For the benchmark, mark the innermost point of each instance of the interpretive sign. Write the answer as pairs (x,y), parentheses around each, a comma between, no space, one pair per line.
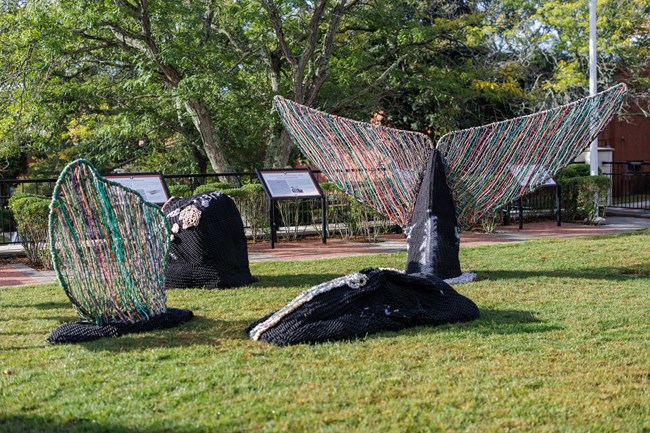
(288,184)
(151,186)
(291,184)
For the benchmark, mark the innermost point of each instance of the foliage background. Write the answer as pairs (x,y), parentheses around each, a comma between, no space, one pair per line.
(186,86)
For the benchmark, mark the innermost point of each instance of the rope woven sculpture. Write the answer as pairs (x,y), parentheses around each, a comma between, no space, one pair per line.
(482,168)
(379,166)
(489,166)
(110,250)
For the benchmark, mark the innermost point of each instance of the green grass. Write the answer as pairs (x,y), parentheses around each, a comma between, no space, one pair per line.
(563,344)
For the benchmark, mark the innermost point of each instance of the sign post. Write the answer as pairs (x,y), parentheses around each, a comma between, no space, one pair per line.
(291,184)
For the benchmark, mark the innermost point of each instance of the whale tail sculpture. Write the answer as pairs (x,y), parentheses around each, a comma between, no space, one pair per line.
(470,173)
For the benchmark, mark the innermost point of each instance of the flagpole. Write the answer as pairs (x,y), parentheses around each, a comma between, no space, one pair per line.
(593,81)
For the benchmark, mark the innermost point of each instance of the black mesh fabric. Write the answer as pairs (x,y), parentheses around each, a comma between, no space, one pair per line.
(433,237)
(83,331)
(212,254)
(389,300)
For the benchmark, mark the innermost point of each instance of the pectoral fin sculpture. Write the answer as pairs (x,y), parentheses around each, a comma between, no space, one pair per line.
(110,251)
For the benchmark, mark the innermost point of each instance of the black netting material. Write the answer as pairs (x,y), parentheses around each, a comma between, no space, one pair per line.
(433,237)
(212,254)
(83,331)
(389,300)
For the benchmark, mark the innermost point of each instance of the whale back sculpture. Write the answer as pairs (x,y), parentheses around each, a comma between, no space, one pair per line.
(109,247)
(208,247)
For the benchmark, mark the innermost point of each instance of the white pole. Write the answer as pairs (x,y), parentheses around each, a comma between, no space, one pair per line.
(593,81)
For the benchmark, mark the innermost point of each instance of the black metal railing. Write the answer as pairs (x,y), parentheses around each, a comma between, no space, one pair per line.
(194,180)
(294,218)
(630,184)
(542,204)
(630,188)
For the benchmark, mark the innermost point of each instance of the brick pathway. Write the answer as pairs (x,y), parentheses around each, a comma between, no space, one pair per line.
(16,275)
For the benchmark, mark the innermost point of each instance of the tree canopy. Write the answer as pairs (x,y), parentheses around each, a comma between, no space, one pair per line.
(187,85)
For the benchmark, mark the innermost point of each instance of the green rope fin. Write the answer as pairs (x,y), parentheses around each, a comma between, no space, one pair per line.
(109,247)
(379,166)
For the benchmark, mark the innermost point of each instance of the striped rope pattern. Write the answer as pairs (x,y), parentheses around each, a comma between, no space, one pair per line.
(491,165)
(109,247)
(379,166)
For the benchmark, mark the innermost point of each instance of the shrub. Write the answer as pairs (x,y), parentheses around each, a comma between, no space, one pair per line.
(255,208)
(490,221)
(352,218)
(583,197)
(31,213)
(573,170)
(180,190)
(211,187)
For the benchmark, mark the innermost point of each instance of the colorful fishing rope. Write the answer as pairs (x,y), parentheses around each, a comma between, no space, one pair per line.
(109,247)
(486,166)
(376,165)
(491,165)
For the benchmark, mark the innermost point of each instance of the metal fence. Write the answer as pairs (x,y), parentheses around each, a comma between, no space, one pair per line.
(294,217)
(630,189)
(542,204)
(630,184)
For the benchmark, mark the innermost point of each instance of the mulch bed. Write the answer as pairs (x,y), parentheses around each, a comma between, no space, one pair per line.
(20,260)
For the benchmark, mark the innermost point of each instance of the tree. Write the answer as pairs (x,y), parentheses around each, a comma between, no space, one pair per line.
(152,68)
(549,39)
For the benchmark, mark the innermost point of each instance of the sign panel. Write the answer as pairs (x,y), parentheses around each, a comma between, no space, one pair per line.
(532,174)
(151,186)
(294,183)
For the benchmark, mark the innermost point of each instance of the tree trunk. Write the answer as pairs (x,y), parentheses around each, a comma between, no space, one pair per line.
(213,148)
(280,145)
(200,159)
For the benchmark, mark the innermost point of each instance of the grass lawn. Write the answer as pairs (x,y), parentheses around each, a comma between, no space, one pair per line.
(563,344)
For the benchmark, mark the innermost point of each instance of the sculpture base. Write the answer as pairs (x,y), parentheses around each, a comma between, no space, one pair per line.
(465,277)
(83,331)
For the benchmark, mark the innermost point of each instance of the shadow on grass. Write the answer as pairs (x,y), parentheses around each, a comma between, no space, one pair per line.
(268,281)
(198,331)
(52,305)
(605,273)
(34,423)
(42,305)
(505,322)
(491,322)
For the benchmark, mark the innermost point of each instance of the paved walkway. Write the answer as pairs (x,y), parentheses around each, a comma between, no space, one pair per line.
(16,274)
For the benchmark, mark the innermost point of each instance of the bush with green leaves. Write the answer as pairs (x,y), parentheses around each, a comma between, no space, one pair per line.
(212,187)
(574,170)
(351,217)
(31,213)
(180,190)
(583,196)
